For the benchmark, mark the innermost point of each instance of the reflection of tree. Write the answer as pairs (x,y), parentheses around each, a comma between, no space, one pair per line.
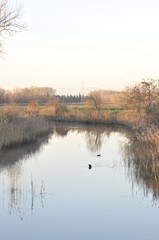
(62,131)
(94,139)
(142,161)
(94,133)
(95,136)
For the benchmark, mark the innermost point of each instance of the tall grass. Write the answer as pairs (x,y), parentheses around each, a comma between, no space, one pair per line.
(21,130)
(142,159)
(91,116)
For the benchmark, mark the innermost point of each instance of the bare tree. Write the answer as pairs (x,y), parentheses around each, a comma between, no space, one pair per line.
(94,100)
(143,95)
(143,99)
(133,98)
(150,92)
(9,20)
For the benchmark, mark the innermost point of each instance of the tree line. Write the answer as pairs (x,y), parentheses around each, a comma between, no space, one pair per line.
(43,95)
(23,96)
(79,98)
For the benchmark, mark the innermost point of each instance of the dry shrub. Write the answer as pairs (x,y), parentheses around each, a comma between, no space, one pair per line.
(47,111)
(88,116)
(33,107)
(11,111)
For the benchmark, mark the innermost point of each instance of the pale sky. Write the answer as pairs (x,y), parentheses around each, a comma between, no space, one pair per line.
(83,44)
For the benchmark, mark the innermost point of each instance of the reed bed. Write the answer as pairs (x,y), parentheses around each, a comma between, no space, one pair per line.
(142,158)
(19,125)
(21,130)
(90,116)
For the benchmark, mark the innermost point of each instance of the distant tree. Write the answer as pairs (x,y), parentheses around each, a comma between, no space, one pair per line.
(56,107)
(110,97)
(73,99)
(94,100)
(39,94)
(133,98)
(9,16)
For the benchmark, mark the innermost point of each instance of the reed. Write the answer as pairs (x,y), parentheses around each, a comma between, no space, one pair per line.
(89,116)
(21,130)
(142,159)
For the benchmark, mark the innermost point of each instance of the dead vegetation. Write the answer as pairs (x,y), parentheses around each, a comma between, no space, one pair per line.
(22,130)
(142,160)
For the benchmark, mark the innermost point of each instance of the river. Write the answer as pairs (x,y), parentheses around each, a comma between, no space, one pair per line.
(58,188)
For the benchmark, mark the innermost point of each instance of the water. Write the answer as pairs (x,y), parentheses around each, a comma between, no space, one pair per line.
(47,190)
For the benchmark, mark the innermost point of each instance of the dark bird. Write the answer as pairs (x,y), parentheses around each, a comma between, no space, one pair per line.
(99,155)
(89,166)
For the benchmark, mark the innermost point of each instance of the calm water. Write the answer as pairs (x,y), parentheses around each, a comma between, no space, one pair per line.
(47,190)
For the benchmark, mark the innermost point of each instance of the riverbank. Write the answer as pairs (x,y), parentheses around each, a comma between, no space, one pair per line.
(20,124)
(20,130)
(106,123)
(89,116)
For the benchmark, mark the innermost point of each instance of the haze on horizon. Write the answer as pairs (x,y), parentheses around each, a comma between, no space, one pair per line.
(87,44)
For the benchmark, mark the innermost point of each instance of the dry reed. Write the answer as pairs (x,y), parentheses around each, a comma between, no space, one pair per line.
(142,159)
(21,130)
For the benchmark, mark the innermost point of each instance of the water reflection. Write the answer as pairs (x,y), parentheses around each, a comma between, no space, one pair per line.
(141,155)
(18,195)
(61,130)
(12,155)
(94,135)
(140,158)
(94,139)
(13,186)
(142,163)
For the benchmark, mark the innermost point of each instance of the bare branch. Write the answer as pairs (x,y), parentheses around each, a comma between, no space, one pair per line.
(9,20)
(94,100)
(143,99)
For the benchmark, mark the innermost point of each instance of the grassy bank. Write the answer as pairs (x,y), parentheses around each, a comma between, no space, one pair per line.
(89,116)
(19,124)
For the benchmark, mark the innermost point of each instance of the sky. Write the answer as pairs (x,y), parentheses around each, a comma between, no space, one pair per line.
(80,45)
